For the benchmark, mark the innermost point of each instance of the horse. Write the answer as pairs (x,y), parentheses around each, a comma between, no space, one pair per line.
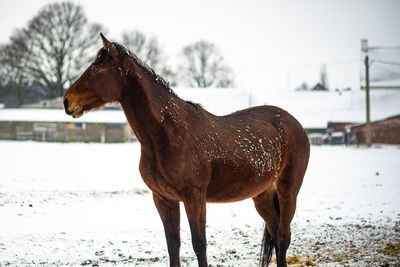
(192,156)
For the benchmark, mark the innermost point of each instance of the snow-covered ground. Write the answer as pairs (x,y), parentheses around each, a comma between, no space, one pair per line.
(85,204)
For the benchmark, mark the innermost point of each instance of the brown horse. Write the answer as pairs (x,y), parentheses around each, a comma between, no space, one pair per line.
(189,155)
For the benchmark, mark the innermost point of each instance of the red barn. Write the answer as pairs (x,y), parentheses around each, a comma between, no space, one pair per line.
(386,131)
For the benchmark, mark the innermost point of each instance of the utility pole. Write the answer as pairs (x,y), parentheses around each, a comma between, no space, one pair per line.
(364,48)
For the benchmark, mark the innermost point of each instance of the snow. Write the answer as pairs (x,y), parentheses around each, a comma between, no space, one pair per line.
(351,183)
(82,204)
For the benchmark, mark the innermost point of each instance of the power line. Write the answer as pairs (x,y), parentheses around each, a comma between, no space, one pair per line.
(383,47)
(386,62)
(313,65)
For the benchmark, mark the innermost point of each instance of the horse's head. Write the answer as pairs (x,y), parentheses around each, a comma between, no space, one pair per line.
(100,83)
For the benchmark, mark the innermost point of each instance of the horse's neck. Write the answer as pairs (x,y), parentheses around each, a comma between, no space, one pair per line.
(144,105)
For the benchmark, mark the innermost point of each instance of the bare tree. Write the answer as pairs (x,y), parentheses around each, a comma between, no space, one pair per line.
(203,66)
(59,39)
(13,60)
(148,49)
(302,87)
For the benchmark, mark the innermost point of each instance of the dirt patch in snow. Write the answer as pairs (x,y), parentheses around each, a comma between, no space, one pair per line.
(327,245)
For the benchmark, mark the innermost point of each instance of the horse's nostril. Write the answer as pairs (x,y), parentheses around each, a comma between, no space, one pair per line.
(66,107)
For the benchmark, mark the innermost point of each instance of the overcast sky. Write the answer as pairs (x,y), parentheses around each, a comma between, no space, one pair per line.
(271,45)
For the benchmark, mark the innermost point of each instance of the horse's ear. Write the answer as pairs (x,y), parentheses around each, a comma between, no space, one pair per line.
(109,47)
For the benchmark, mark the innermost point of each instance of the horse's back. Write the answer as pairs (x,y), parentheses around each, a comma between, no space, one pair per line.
(267,117)
(264,116)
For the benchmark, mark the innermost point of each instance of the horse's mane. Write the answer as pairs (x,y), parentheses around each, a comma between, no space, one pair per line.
(157,78)
(122,51)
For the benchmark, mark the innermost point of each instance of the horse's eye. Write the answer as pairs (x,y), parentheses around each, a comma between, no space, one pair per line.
(95,69)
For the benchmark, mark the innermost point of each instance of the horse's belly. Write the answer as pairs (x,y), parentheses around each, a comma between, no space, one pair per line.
(234,184)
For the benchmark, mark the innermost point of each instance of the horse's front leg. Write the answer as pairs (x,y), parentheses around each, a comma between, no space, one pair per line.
(195,207)
(170,216)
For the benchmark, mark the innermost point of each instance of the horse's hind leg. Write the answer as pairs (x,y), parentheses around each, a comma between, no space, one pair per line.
(267,206)
(287,188)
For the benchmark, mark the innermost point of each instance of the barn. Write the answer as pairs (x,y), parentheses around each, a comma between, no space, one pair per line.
(106,126)
(386,131)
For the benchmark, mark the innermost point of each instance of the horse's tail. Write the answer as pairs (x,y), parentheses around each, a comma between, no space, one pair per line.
(267,244)
(267,247)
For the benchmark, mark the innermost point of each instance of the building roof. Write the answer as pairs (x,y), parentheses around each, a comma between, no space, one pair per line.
(319,87)
(313,109)
(217,101)
(392,118)
(58,115)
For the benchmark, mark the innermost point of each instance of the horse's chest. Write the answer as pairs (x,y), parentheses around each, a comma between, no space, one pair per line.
(156,181)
